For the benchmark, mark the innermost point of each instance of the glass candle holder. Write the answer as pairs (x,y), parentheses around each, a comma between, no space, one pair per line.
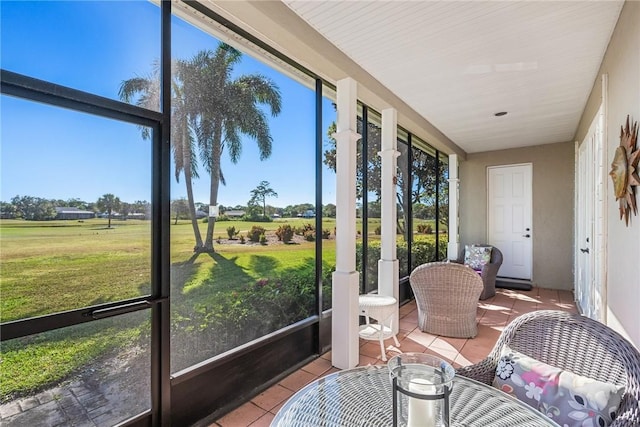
(421,389)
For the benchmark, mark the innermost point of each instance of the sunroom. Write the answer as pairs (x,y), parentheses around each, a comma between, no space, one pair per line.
(332,147)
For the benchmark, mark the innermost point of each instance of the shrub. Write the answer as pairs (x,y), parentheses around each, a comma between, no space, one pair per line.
(256,218)
(378,231)
(242,241)
(300,231)
(425,228)
(232,232)
(263,239)
(255,233)
(326,233)
(421,252)
(222,217)
(310,235)
(285,233)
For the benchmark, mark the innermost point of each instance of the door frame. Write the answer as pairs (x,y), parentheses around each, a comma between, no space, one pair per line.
(489,238)
(596,140)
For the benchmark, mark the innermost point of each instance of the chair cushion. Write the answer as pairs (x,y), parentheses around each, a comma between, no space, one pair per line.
(477,256)
(570,400)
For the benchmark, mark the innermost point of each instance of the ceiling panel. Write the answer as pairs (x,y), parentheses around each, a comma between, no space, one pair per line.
(458,63)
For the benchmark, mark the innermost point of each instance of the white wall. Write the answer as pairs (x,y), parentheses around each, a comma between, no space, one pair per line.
(622,65)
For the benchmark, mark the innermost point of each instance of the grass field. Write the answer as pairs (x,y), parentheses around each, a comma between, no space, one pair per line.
(54,266)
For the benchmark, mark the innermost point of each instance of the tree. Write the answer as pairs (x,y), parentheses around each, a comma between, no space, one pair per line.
(329,210)
(108,203)
(374,162)
(146,91)
(34,208)
(423,180)
(420,211)
(260,194)
(226,108)
(125,210)
(8,210)
(180,208)
(143,207)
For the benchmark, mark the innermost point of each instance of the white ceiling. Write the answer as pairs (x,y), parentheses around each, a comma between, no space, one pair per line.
(457,63)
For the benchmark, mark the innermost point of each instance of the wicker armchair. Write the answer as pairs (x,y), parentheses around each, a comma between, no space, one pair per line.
(447,298)
(489,271)
(573,343)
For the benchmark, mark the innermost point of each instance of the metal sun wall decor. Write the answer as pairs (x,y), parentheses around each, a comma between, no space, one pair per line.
(624,171)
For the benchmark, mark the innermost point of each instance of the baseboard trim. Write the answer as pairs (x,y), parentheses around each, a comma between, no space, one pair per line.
(517,284)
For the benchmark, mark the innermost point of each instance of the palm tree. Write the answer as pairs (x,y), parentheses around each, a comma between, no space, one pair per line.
(227,108)
(182,121)
(108,203)
(260,194)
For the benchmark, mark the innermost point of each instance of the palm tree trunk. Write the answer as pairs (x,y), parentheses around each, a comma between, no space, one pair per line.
(189,185)
(216,153)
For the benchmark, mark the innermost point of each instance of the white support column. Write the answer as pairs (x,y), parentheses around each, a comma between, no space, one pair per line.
(388,264)
(345,351)
(453,248)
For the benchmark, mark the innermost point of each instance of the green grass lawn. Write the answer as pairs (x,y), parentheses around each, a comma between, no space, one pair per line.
(54,266)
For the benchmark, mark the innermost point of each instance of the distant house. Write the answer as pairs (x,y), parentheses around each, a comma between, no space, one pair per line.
(201,214)
(136,215)
(310,213)
(234,213)
(73,213)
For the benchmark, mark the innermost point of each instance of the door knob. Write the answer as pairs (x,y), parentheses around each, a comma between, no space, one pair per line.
(526,235)
(585,250)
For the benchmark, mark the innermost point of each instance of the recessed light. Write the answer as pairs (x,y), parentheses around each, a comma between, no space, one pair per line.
(501,113)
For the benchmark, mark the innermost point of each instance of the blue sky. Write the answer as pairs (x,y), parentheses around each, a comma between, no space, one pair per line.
(93,46)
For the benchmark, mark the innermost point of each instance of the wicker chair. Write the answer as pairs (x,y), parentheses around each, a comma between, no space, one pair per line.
(489,271)
(447,298)
(573,343)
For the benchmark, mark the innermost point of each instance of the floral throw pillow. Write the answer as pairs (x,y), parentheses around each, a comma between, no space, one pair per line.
(477,256)
(570,400)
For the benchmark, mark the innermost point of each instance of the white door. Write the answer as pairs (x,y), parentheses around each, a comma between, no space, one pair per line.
(590,223)
(509,218)
(584,229)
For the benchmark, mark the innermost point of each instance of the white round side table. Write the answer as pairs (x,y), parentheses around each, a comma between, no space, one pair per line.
(381,308)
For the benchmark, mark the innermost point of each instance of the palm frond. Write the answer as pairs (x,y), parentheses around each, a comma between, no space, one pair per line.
(263,90)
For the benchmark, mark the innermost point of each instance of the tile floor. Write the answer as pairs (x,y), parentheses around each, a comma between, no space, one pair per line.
(493,315)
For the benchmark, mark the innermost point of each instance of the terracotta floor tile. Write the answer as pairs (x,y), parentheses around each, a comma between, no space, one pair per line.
(263,421)
(366,360)
(549,295)
(408,325)
(473,352)
(268,399)
(243,416)
(330,371)
(372,348)
(297,380)
(276,409)
(407,308)
(566,296)
(318,366)
(420,337)
(410,346)
(443,349)
(494,314)
(456,343)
